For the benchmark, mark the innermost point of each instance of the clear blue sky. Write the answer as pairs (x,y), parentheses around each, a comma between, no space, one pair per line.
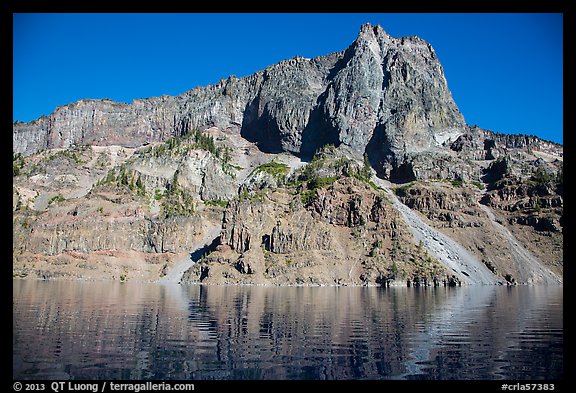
(504,70)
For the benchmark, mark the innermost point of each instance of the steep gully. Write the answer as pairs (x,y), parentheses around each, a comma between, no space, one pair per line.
(525,261)
(174,275)
(464,265)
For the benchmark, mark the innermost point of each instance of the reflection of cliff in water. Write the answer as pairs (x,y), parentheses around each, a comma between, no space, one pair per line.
(491,334)
(349,333)
(312,333)
(142,331)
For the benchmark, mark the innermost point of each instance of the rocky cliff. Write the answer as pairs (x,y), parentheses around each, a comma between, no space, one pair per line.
(285,162)
(341,232)
(382,95)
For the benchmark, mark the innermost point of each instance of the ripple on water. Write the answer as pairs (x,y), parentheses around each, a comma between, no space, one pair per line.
(112,331)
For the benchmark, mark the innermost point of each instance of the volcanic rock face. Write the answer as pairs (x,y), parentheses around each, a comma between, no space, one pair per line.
(284,162)
(383,96)
(348,233)
(481,221)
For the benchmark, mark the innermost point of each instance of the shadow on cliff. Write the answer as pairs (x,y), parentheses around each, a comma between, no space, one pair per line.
(197,254)
(380,156)
(318,132)
(258,126)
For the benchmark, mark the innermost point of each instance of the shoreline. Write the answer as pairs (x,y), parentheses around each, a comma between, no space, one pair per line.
(395,284)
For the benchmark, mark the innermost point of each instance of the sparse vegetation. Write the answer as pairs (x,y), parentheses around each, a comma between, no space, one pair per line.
(71,154)
(278,170)
(103,160)
(313,184)
(17,164)
(56,199)
(366,171)
(177,203)
(206,142)
(244,194)
(541,177)
(376,246)
(229,169)
(180,145)
(137,186)
(321,182)
(478,184)
(324,161)
(158,194)
(538,205)
(307,196)
(158,151)
(460,183)
(313,175)
(403,189)
(394,268)
(122,177)
(216,202)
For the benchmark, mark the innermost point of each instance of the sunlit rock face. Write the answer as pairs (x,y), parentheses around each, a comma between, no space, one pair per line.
(382,96)
(102,187)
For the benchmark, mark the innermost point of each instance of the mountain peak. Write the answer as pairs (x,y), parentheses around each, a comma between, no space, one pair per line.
(373,30)
(373,35)
(384,97)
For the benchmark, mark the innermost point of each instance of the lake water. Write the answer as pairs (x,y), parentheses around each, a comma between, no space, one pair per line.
(82,330)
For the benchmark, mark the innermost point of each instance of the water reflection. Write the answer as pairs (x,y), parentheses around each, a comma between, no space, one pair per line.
(145,331)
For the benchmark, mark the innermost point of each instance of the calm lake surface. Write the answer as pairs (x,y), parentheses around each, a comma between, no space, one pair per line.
(83,330)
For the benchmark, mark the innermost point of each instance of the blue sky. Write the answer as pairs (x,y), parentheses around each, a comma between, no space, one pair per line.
(504,70)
